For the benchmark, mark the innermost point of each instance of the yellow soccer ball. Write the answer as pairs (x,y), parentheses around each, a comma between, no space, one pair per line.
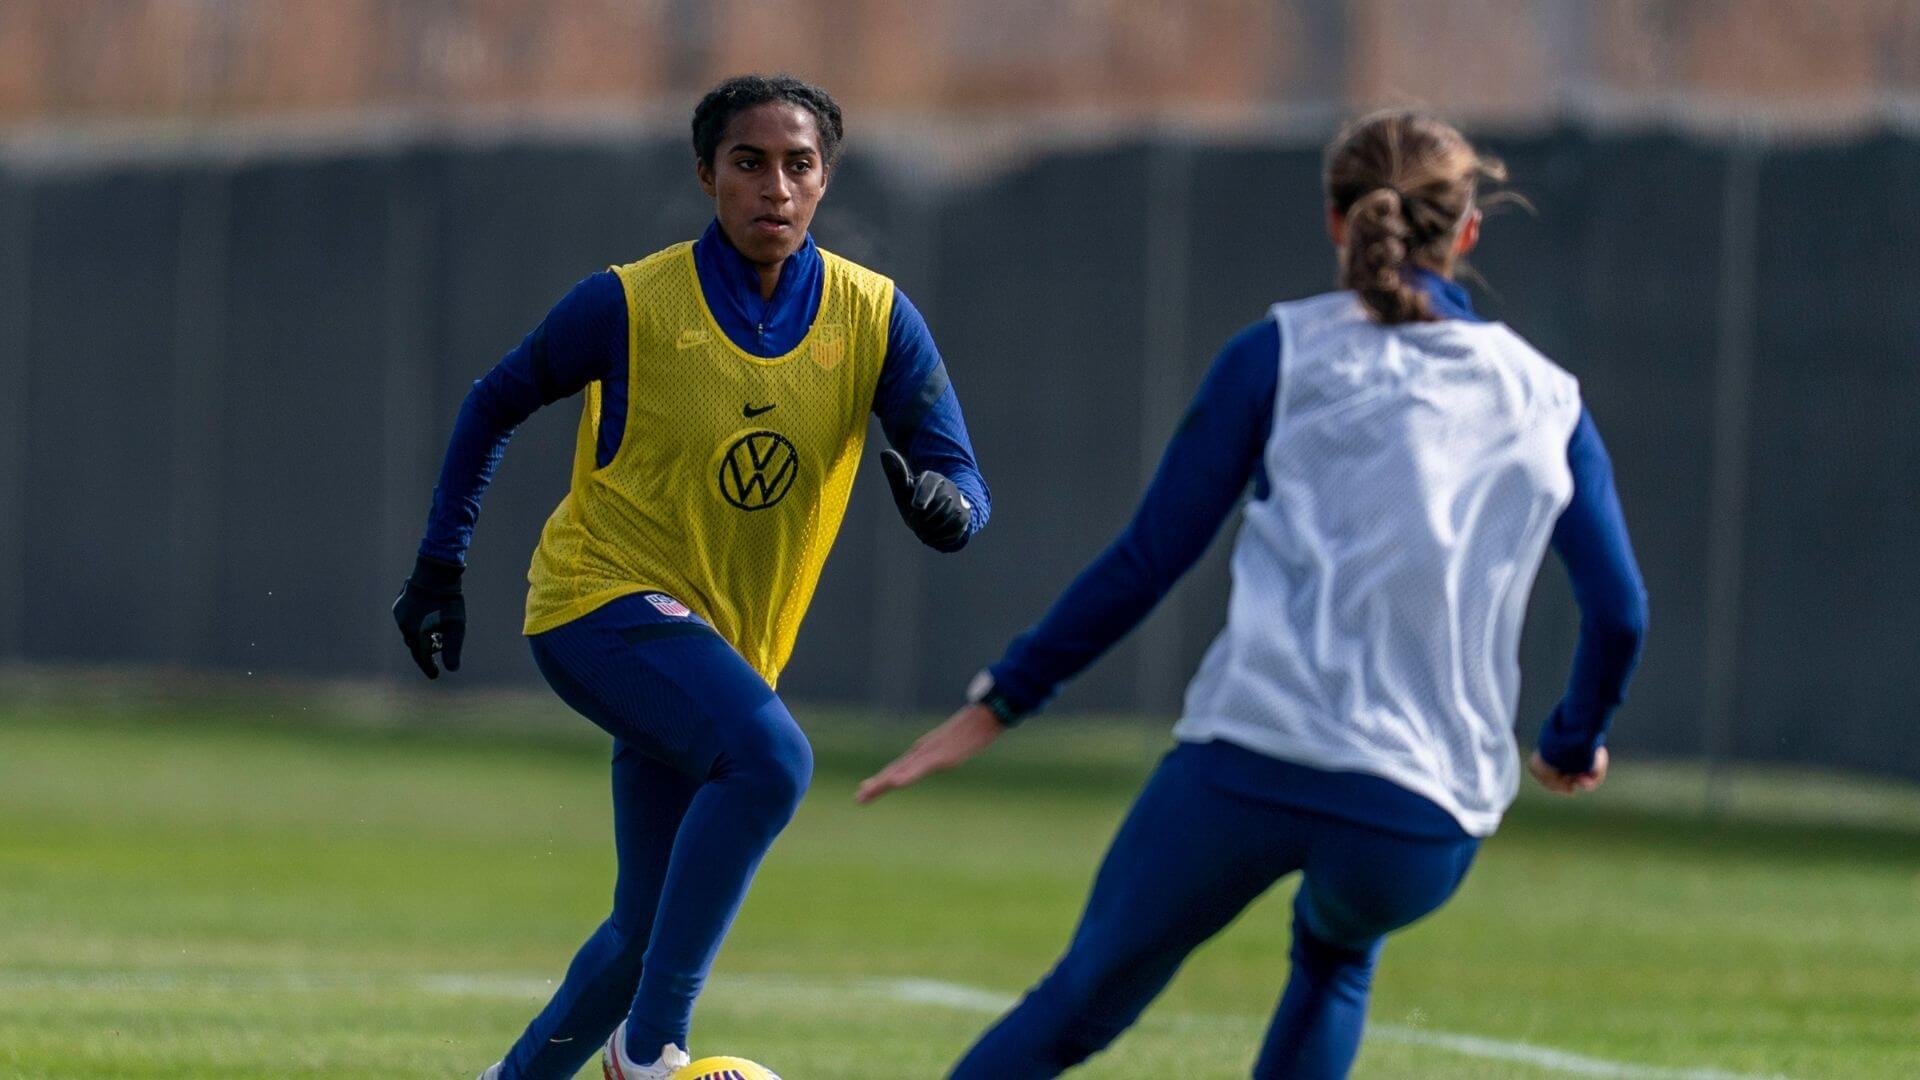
(724,1068)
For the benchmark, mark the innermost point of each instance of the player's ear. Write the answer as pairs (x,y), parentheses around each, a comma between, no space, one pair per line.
(1336,227)
(1469,235)
(703,170)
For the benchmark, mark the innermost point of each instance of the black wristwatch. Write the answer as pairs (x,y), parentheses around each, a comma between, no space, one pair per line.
(984,691)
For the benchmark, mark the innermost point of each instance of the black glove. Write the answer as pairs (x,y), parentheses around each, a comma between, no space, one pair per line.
(432,614)
(930,503)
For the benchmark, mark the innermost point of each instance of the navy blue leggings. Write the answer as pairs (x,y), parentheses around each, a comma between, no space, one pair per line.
(708,767)
(1192,854)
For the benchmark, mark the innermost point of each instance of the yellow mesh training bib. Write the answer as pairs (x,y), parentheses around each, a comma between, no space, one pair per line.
(733,470)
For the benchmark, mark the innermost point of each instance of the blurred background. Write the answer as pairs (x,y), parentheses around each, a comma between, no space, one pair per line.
(252,252)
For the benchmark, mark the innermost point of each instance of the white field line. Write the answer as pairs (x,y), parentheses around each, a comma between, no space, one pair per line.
(1545,1057)
(907,991)
(971,999)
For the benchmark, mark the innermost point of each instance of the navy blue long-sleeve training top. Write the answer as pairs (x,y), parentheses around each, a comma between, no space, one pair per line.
(1219,449)
(584,340)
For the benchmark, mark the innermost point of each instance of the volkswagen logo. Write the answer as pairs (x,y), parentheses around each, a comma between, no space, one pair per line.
(758,470)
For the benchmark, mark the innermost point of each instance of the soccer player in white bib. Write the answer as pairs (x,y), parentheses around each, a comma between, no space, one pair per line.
(1410,464)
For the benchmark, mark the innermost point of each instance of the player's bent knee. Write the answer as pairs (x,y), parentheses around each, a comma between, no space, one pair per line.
(1314,953)
(775,760)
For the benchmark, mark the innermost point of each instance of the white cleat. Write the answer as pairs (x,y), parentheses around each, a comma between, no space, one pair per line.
(493,1071)
(616,1065)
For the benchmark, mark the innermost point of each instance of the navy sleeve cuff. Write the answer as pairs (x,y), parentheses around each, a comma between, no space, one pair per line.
(1565,748)
(1020,693)
(436,575)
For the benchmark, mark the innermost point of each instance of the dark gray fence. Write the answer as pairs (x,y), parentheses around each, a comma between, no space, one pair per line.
(226,385)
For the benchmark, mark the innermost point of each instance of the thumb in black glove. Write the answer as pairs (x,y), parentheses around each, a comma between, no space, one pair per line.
(931,504)
(432,614)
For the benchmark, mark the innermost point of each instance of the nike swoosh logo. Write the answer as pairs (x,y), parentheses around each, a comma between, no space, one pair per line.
(690,338)
(747,410)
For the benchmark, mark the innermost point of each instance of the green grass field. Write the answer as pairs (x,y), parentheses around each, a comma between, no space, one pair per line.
(289,884)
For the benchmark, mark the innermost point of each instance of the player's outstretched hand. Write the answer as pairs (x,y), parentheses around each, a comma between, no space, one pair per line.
(432,614)
(965,734)
(1569,783)
(931,504)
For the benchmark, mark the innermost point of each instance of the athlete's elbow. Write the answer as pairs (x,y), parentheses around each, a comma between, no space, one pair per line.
(1620,625)
(1633,618)
(486,405)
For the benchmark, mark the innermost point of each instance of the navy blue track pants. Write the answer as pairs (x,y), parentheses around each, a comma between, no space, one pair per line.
(708,768)
(1191,855)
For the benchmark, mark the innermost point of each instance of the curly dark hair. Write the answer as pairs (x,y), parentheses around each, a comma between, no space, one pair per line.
(743,92)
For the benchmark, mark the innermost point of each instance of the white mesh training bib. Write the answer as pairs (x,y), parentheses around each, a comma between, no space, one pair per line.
(1378,590)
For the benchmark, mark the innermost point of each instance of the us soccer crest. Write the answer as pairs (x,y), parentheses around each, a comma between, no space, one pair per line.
(827,346)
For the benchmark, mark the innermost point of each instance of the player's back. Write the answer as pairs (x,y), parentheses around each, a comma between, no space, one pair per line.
(1379,587)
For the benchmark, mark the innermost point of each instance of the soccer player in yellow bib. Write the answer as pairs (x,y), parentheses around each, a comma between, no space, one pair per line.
(727,384)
